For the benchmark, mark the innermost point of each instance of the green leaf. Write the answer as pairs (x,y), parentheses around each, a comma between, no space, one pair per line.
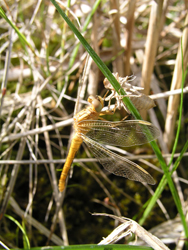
(26,241)
(20,35)
(95,247)
(130,106)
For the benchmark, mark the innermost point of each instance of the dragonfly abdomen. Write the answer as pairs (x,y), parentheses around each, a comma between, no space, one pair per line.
(75,145)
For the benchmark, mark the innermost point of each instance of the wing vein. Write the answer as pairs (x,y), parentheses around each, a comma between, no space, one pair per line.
(116,164)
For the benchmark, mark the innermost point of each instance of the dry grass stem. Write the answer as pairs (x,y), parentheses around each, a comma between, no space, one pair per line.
(151,46)
(126,229)
(176,84)
(128,35)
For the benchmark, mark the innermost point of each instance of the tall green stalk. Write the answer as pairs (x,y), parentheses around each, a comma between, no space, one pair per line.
(130,106)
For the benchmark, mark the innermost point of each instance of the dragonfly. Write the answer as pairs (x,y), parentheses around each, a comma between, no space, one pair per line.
(96,133)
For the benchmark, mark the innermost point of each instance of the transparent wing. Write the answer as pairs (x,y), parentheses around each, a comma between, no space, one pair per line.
(124,133)
(116,164)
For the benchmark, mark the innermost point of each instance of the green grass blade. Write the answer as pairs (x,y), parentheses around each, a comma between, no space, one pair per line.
(161,187)
(184,74)
(96,247)
(21,228)
(129,105)
(20,35)
(75,51)
(104,69)
(163,181)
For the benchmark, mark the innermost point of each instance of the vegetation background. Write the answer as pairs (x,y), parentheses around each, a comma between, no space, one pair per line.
(40,82)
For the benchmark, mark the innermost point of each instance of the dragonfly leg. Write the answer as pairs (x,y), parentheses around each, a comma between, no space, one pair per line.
(100,118)
(107,112)
(125,117)
(105,94)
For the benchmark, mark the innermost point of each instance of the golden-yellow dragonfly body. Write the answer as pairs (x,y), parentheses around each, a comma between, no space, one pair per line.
(95,132)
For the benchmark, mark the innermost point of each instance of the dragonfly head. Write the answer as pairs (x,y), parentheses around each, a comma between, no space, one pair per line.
(97,102)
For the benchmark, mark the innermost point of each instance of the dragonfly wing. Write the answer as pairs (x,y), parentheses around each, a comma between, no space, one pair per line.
(116,164)
(124,133)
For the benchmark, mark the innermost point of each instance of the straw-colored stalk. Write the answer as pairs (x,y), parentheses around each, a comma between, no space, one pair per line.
(173,102)
(151,46)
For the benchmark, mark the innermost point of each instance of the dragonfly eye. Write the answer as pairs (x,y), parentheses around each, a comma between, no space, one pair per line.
(97,102)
